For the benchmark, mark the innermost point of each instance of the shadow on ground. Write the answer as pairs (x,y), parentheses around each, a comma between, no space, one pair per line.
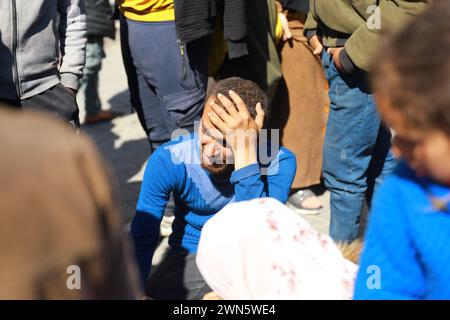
(126,154)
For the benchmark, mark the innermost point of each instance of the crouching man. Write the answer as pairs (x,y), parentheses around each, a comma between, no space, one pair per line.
(205,171)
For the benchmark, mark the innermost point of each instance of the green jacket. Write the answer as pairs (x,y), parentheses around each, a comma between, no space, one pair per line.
(354,24)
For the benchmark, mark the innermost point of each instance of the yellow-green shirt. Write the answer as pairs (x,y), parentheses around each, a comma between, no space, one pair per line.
(148,10)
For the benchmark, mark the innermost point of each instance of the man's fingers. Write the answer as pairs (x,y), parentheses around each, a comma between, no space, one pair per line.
(333,51)
(240,105)
(316,45)
(221,113)
(260,114)
(229,106)
(317,49)
(217,122)
(206,124)
(285,25)
(210,130)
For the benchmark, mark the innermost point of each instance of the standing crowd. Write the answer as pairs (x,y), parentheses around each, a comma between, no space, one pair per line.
(249,107)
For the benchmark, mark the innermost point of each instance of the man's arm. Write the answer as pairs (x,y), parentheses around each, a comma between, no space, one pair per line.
(249,183)
(73,38)
(362,45)
(310,28)
(156,187)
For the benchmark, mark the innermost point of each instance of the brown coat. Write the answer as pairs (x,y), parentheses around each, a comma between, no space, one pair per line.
(300,106)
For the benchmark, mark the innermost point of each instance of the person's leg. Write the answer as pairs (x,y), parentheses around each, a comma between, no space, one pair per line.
(350,141)
(134,82)
(89,82)
(177,278)
(382,164)
(176,73)
(58,101)
(143,41)
(175,76)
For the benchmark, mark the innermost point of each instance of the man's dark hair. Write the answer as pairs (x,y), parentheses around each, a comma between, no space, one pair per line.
(413,69)
(249,92)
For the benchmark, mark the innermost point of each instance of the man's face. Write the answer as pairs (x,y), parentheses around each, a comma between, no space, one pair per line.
(426,151)
(216,156)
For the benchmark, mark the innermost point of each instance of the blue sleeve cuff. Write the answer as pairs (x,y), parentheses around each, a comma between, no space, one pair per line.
(246,172)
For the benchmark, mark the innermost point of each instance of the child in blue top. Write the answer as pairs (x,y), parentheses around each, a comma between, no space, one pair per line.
(407,247)
(205,171)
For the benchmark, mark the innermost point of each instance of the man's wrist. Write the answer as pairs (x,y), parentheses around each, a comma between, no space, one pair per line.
(245,156)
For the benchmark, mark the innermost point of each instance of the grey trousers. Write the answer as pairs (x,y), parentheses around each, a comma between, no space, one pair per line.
(58,101)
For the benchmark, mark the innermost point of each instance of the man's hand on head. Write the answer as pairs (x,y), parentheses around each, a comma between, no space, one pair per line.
(234,115)
(238,127)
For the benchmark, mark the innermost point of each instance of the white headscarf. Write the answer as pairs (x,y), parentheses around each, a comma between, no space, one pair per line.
(260,249)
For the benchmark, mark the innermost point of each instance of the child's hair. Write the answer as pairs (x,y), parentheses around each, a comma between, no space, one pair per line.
(413,69)
(249,92)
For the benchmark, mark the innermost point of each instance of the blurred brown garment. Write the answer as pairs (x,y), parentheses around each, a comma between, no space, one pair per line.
(300,106)
(57,209)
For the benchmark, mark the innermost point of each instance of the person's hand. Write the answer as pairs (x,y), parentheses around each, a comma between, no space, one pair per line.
(212,296)
(316,43)
(285,25)
(238,127)
(334,52)
(233,116)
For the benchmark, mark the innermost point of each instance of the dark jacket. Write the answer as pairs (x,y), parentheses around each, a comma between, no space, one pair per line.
(99,19)
(196,19)
(297,5)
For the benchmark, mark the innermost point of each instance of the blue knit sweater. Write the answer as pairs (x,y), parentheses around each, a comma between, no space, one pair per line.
(175,167)
(407,241)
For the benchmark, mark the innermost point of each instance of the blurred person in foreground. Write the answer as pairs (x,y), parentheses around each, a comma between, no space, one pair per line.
(408,233)
(58,213)
(280,257)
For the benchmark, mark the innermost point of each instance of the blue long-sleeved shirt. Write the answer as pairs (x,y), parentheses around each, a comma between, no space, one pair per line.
(198,195)
(407,245)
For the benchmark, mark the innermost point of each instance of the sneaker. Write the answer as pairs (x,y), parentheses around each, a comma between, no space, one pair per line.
(165,228)
(295,202)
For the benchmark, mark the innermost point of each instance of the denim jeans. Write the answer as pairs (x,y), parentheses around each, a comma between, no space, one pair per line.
(89,82)
(356,154)
(167,80)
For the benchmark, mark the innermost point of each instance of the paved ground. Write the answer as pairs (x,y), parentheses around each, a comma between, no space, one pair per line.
(123,143)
